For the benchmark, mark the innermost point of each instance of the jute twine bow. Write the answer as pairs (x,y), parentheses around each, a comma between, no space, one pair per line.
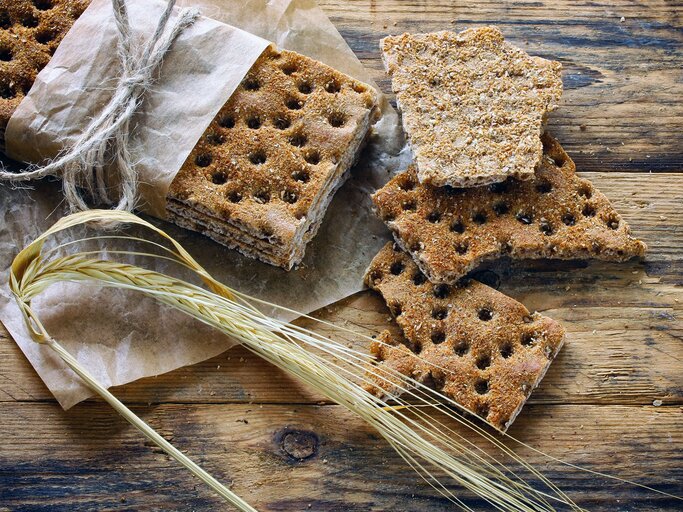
(103,145)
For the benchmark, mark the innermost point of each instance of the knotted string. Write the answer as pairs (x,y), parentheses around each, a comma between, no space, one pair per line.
(103,145)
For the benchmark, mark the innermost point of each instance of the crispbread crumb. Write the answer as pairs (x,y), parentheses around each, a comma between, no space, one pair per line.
(473,106)
(481,348)
(449,231)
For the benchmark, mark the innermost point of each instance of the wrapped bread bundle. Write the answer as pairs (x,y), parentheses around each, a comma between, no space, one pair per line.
(235,138)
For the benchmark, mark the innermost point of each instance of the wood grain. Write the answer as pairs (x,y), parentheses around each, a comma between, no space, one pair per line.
(284,448)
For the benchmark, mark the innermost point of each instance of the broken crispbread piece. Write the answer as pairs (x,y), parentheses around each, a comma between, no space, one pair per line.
(473,106)
(30,32)
(265,170)
(477,346)
(450,231)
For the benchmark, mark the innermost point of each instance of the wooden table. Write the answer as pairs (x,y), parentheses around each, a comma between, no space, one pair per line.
(282,448)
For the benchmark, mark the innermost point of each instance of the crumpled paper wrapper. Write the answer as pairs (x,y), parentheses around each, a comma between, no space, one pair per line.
(122,336)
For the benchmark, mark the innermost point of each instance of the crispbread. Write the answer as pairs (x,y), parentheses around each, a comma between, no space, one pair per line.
(30,31)
(450,231)
(477,346)
(473,106)
(271,159)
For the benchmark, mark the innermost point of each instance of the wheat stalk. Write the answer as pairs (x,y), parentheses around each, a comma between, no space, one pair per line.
(424,441)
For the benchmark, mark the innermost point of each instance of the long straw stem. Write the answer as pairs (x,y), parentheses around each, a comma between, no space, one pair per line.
(146,430)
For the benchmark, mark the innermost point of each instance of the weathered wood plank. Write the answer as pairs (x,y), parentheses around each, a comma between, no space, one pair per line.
(623,80)
(89,459)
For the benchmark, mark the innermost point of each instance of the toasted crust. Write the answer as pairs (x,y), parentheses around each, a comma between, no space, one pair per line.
(477,346)
(30,32)
(557,215)
(270,160)
(473,106)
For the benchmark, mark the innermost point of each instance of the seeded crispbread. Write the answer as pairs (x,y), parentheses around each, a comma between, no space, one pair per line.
(262,175)
(477,346)
(473,106)
(30,31)
(449,231)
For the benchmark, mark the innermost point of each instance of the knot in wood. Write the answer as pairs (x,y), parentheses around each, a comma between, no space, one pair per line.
(299,444)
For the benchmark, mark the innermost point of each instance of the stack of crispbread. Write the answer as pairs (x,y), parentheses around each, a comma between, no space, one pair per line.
(30,32)
(474,110)
(263,174)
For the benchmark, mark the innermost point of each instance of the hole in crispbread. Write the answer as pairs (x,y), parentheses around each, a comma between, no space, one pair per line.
(559,160)
(438,337)
(462,247)
(5,21)
(234,196)
(215,139)
(396,308)
(251,84)
(506,350)
(409,205)
(359,88)
(481,386)
(375,276)
(43,5)
(203,160)
(219,178)
(312,157)
(281,123)
(416,247)
(226,121)
(441,291)
(485,314)
(44,36)
(588,211)
(479,218)
(501,208)
(298,140)
(569,219)
(527,339)
(30,21)
(301,176)
(407,184)
(544,187)
(613,222)
(337,119)
(524,217)
(332,87)
(434,217)
(289,68)
(483,361)
(257,157)
(461,348)
(294,104)
(395,247)
(290,196)
(397,268)
(7,91)
(305,87)
(457,227)
(254,122)
(546,228)
(585,190)
(6,54)
(419,278)
(262,196)
(439,313)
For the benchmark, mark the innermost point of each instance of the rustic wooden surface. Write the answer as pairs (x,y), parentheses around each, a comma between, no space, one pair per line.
(282,447)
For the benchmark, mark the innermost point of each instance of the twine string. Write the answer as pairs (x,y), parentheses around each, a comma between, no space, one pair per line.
(103,147)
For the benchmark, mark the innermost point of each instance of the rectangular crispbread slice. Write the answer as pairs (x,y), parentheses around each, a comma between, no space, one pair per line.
(449,231)
(473,106)
(477,346)
(263,174)
(30,31)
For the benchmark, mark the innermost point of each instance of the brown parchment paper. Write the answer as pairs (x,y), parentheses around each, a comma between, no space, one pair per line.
(121,336)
